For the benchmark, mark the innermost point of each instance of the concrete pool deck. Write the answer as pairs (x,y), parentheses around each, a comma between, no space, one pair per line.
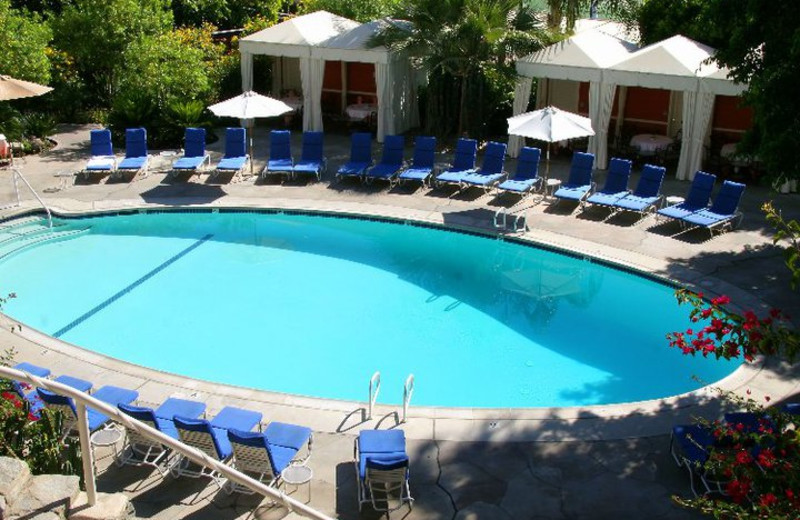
(615,463)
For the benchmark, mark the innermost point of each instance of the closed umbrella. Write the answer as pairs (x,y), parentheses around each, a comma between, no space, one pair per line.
(550,124)
(11,88)
(248,106)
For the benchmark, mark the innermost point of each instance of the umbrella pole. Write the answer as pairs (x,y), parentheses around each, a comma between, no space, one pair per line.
(547,175)
(250,132)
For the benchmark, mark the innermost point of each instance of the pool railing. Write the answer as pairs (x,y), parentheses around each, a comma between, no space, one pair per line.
(82,400)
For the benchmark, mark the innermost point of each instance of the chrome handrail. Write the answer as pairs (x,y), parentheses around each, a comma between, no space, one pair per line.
(408,390)
(18,175)
(82,400)
(374,384)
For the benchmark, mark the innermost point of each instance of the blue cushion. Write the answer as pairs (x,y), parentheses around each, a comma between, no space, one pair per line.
(694,440)
(572,192)
(706,218)
(386,456)
(636,203)
(606,199)
(232,418)
(184,407)
(23,388)
(678,211)
(281,457)
(100,142)
(232,163)
(313,167)
(219,436)
(377,441)
(132,163)
(519,186)
(112,395)
(76,383)
(477,179)
(188,163)
(287,435)
(353,168)
(416,174)
(383,171)
(453,176)
(279,165)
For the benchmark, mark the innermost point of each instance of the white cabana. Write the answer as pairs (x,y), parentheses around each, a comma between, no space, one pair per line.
(583,57)
(684,65)
(321,36)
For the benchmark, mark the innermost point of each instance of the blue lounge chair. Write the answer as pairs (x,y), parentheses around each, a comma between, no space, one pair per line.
(690,446)
(422,161)
(526,179)
(141,450)
(616,186)
(312,158)
(212,439)
(463,163)
(360,156)
(194,157)
(280,154)
(647,194)
(25,390)
(112,395)
(136,159)
(382,472)
(697,198)
(491,170)
(102,158)
(579,184)
(236,157)
(391,160)
(265,455)
(724,212)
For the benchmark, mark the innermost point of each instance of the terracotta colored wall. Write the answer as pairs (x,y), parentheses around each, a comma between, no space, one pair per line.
(333,75)
(729,115)
(583,99)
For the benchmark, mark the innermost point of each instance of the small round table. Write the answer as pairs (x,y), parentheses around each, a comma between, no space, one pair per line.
(296,475)
(105,438)
(551,185)
(672,200)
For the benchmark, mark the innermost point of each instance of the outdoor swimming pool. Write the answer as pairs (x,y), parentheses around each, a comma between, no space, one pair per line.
(313,305)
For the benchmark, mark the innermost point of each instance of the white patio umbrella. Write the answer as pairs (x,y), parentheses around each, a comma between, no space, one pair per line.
(248,106)
(550,124)
(11,88)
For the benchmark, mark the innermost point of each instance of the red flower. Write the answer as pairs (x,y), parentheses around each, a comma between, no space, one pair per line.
(766,459)
(768,500)
(721,300)
(743,457)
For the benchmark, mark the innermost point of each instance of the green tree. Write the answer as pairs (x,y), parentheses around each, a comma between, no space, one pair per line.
(224,14)
(661,19)
(464,40)
(760,42)
(358,10)
(96,34)
(24,37)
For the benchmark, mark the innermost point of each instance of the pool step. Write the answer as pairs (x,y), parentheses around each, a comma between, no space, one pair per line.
(23,242)
(23,229)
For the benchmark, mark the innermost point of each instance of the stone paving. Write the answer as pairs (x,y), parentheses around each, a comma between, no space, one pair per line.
(625,472)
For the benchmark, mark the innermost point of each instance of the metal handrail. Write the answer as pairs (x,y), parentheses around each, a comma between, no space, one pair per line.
(408,390)
(82,400)
(18,175)
(502,212)
(374,384)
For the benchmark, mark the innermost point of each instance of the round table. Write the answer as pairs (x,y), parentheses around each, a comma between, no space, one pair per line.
(674,199)
(649,144)
(296,475)
(360,111)
(551,185)
(105,438)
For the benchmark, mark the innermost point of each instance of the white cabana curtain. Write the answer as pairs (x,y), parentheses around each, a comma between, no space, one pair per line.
(383,82)
(697,109)
(311,74)
(522,95)
(247,71)
(601,101)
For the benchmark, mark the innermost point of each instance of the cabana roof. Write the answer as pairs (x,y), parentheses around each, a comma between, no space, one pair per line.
(297,36)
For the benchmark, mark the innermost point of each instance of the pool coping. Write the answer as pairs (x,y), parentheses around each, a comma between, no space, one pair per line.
(597,422)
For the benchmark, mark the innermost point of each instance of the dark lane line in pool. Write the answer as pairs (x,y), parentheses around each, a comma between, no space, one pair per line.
(131,287)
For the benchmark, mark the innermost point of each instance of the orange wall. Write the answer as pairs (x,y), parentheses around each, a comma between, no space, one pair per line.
(729,115)
(333,75)
(361,77)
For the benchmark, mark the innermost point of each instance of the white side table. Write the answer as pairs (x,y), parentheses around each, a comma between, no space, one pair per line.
(105,438)
(672,200)
(550,186)
(297,475)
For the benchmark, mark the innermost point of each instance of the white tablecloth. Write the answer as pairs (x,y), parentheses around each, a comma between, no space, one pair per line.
(649,144)
(728,151)
(360,111)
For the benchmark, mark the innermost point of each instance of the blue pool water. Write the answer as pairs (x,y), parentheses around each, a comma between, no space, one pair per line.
(313,305)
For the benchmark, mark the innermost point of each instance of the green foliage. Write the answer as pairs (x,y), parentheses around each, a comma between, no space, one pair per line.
(38,124)
(661,19)
(182,114)
(36,440)
(97,36)
(463,45)
(225,14)
(23,43)
(358,10)
(786,232)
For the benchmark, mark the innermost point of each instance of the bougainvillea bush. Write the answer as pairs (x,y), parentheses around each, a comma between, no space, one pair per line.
(758,457)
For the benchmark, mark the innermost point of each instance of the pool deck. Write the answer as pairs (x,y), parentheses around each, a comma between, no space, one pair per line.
(586,462)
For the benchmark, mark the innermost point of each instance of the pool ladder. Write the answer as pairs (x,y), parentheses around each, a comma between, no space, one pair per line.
(375,388)
(502,220)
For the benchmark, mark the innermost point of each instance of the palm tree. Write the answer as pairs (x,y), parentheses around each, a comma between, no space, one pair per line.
(464,39)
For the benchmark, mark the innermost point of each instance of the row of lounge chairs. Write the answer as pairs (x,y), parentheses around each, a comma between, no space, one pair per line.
(381,460)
